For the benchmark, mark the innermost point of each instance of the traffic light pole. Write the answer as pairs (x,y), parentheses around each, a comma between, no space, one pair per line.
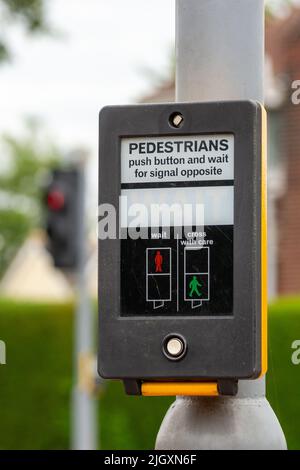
(220,56)
(84,411)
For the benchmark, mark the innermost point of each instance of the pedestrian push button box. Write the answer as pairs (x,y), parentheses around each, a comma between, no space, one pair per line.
(182,246)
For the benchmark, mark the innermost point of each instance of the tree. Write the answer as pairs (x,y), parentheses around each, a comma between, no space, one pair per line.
(30,13)
(30,157)
(274,6)
(14,226)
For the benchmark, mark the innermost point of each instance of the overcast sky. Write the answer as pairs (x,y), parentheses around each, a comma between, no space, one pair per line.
(98,58)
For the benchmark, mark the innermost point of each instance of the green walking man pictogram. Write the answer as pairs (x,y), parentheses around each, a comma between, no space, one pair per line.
(193,285)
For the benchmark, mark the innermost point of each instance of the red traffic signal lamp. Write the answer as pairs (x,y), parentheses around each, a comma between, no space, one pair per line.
(55,200)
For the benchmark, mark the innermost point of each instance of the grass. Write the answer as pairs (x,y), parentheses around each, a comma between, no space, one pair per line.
(35,384)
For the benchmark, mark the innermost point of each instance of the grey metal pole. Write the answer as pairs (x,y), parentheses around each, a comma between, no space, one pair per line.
(220,56)
(84,411)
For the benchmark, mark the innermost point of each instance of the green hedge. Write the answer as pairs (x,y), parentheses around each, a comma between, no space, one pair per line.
(283,378)
(35,384)
(36,380)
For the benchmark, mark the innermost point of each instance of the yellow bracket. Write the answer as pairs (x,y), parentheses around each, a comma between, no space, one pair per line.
(201,389)
(264,250)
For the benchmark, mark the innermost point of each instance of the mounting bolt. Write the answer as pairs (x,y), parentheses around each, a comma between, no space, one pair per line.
(176,119)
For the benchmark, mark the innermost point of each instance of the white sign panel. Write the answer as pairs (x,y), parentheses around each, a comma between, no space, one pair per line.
(177,158)
(194,206)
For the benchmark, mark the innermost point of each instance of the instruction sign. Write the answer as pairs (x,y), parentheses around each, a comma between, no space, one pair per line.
(193,158)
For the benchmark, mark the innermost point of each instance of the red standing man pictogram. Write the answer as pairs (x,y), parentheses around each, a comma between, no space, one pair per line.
(158,262)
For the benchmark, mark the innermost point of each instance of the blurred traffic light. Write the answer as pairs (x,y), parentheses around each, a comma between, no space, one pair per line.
(62,219)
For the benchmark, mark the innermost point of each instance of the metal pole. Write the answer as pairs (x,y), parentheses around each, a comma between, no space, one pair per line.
(220,56)
(84,411)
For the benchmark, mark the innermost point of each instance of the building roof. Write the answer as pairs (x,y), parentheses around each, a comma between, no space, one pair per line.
(164,93)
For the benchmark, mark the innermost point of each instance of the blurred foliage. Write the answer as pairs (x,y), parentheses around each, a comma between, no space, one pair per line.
(14,227)
(21,187)
(30,13)
(273,7)
(36,382)
(30,157)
